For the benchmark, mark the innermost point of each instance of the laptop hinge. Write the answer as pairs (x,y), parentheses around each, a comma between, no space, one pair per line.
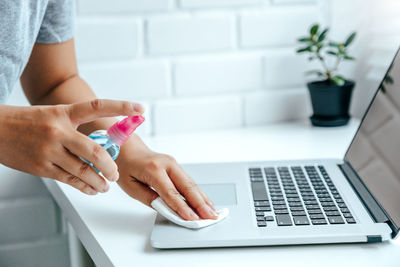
(375,210)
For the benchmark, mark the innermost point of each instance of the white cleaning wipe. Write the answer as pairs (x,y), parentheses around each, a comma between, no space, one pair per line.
(159,205)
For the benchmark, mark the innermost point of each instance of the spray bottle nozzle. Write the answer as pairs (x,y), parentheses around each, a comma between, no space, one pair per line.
(120,131)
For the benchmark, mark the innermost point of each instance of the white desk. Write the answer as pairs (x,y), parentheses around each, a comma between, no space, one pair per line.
(115,229)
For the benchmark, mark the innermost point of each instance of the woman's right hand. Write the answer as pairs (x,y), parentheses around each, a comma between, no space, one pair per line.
(44,141)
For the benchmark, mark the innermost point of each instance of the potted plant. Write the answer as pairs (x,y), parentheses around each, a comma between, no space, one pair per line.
(331,93)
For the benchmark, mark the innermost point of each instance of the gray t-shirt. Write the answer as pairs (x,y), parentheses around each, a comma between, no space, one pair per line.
(24,22)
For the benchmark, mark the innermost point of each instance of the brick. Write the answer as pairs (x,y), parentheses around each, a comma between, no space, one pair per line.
(129,81)
(213,76)
(276,26)
(182,115)
(276,106)
(178,34)
(217,3)
(107,39)
(95,7)
(17,184)
(44,253)
(27,219)
(287,69)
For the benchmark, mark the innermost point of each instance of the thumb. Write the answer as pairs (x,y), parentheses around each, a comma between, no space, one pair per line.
(88,111)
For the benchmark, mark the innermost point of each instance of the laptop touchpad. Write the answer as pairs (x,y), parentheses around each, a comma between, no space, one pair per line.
(220,194)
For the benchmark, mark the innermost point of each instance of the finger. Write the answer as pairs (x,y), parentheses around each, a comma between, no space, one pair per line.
(191,191)
(73,165)
(139,191)
(99,108)
(167,191)
(82,146)
(61,175)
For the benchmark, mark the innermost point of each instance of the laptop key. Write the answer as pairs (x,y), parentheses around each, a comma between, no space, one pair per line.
(347,215)
(332,213)
(262,208)
(314,211)
(336,220)
(317,216)
(312,207)
(280,207)
(300,220)
(260,218)
(269,218)
(283,220)
(328,204)
(259,191)
(261,224)
(299,213)
(295,204)
(319,222)
(330,209)
(261,204)
(281,212)
(350,220)
(296,209)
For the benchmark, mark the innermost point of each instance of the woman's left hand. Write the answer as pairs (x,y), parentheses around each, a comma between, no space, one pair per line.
(145,175)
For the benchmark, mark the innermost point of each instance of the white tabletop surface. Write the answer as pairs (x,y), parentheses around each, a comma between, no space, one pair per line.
(115,229)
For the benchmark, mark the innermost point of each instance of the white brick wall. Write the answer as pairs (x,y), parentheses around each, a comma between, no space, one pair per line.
(218,75)
(187,33)
(187,57)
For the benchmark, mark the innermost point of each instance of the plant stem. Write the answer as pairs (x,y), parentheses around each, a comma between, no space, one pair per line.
(321,59)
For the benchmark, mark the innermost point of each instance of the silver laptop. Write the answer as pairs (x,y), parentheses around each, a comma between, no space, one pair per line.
(354,199)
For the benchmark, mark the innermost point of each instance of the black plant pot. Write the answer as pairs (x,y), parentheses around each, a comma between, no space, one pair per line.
(330,103)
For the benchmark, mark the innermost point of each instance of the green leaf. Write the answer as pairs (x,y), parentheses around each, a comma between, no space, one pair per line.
(322,36)
(304,49)
(304,39)
(350,39)
(314,29)
(338,80)
(332,53)
(317,72)
(349,57)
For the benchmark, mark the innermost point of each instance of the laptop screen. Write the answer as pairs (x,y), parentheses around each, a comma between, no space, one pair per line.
(375,150)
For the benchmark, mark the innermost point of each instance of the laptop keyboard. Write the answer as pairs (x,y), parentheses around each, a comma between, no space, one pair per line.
(297,195)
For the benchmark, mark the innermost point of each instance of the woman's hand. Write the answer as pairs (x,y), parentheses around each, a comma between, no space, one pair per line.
(142,170)
(44,141)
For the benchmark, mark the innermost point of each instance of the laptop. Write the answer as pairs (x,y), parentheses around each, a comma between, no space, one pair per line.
(355,199)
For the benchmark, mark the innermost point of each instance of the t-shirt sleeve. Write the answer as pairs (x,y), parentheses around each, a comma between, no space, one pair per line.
(58,22)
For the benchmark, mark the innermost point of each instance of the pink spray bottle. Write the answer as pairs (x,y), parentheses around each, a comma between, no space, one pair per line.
(116,136)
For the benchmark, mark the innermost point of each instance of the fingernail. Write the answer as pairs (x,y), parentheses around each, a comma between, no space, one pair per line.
(115,177)
(106,188)
(211,211)
(138,107)
(92,192)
